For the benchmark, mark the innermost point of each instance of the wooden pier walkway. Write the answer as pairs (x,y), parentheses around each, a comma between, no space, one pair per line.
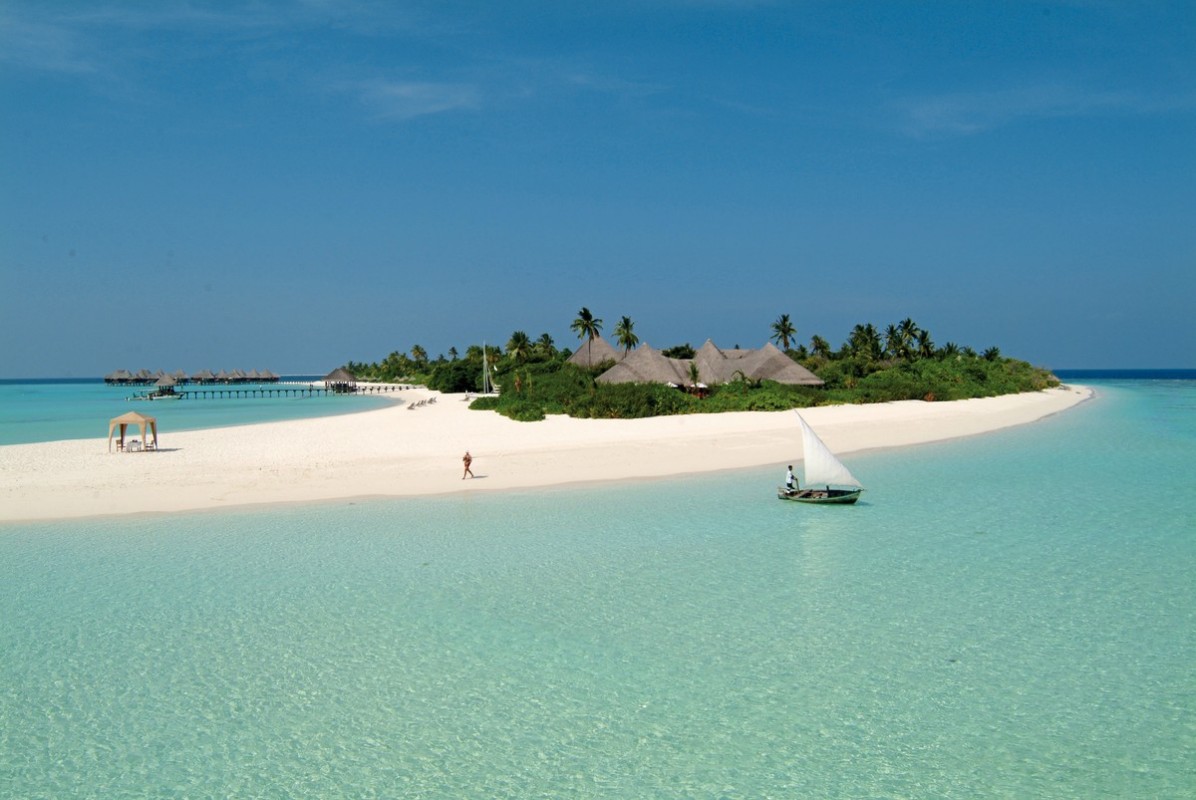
(227,392)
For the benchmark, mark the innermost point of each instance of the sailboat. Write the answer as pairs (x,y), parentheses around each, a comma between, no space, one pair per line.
(827,480)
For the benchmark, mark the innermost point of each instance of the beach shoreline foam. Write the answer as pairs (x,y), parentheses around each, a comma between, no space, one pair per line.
(412,449)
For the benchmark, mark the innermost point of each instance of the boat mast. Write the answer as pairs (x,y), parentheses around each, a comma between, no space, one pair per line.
(485,371)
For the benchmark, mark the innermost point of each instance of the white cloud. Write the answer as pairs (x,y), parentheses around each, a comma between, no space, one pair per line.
(969,113)
(42,46)
(409,99)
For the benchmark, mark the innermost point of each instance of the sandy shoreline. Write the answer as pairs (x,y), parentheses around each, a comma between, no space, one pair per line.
(412,451)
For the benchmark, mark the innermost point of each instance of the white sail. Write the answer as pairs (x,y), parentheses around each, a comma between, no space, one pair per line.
(822,468)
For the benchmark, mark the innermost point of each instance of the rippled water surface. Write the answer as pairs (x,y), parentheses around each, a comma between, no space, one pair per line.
(1012,615)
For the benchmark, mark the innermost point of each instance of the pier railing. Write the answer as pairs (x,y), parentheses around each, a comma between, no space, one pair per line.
(310,390)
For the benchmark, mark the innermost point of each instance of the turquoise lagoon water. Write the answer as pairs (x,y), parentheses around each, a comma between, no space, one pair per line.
(47,410)
(1011,615)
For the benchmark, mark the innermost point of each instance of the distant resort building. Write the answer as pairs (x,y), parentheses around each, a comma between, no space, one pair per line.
(122,377)
(714,365)
(340,381)
(595,352)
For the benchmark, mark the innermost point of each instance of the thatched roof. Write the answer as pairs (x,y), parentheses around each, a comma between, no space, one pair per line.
(646,365)
(769,363)
(340,375)
(592,353)
(713,365)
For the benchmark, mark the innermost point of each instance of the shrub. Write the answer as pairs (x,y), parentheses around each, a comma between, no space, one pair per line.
(557,388)
(488,403)
(456,376)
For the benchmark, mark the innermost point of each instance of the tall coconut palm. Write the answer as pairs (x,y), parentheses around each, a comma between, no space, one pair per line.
(419,355)
(819,346)
(908,330)
(519,347)
(892,341)
(872,340)
(865,341)
(625,334)
(783,331)
(453,353)
(545,346)
(925,345)
(587,327)
(992,354)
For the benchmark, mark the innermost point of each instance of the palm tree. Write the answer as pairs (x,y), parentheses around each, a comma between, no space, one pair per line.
(875,350)
(865,341)
(783,331)
(925,345)
(587,327)
(892,342)
(453,353)
(419,355)
(625,335)
(949,350)
(519,347)
(545,346)
(991,354)
(908,330)
(820,346)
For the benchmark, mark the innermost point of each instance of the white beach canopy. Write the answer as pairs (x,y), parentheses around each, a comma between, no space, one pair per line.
(132,418)
(821,466)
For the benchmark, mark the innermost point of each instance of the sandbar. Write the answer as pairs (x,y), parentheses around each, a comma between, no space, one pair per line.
(414,448)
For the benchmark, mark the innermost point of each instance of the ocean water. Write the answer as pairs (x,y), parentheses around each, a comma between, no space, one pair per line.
(49,410)
(1011,615)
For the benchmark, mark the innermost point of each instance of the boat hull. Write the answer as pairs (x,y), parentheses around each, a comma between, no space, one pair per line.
(832,497)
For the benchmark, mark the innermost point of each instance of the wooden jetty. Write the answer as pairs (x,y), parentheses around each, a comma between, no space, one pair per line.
(233,392)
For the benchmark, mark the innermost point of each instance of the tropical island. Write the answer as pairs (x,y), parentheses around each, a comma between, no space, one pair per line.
(632,380)
(611,412)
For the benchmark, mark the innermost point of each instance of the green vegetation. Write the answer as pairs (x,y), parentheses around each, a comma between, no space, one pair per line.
(535,379)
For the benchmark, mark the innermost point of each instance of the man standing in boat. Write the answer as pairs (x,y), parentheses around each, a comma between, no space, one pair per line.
(790,479)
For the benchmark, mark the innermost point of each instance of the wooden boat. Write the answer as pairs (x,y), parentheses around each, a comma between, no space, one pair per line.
(827,480)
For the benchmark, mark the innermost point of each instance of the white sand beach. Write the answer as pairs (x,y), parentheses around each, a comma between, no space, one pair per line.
(407,451)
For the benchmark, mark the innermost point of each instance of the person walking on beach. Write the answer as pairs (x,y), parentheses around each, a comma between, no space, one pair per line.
(467,460)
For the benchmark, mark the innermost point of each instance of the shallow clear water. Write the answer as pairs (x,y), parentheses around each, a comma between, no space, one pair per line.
(45,411)
(1010,615)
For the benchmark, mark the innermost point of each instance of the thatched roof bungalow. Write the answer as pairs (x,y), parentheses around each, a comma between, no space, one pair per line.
(340,380)
(595,352)
(645,365)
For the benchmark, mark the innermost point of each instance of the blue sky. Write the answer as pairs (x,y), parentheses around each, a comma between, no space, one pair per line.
(291,185)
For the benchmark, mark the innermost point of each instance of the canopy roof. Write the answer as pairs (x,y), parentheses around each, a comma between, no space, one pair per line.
(142,421)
